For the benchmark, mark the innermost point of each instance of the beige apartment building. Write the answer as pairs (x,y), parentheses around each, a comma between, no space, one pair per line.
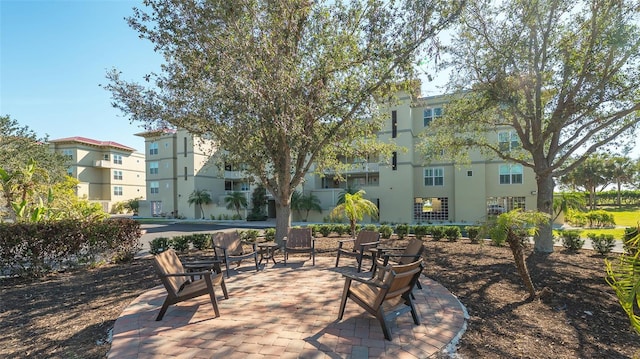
(108,172)
(405,189)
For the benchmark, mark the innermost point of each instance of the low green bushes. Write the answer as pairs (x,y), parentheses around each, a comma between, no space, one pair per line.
(602,243)
(37,248)
(571,239)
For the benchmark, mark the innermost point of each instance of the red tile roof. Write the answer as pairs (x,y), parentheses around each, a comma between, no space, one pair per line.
(90,141)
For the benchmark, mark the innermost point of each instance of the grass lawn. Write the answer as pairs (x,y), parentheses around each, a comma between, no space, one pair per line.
(624,217)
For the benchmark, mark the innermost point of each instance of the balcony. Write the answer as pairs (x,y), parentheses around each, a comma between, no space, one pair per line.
(102,164)
(357,168)
(235,175)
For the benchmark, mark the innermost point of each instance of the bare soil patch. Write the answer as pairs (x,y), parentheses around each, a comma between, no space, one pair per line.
(69,314)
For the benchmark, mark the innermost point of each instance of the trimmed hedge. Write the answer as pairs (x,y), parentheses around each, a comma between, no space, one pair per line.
(37,248)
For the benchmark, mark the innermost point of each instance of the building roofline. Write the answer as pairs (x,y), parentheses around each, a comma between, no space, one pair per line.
(89,141)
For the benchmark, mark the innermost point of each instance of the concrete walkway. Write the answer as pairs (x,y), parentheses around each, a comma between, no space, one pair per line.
(285,312)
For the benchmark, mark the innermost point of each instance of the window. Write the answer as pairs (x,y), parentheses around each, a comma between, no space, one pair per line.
(508,140)
(469,173)
(185,147)
(156,208)
(67,153)
(431,114)
(70,172)
(117,159)
(394,161)
(228,186)
(394,124)
(434,176)
(244,186)
(154,187)
(117,175)
(105,157)
(431,209)
(185,173)
(153,148)
(117,190)
(510,174)
(153,168)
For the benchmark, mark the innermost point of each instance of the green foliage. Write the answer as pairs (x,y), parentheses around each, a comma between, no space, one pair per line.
(385,231)
(37,248)
(452,233)
(236,201)
(571,239)
(576,218)
(325,230)
(180,243)
(370,227)
(600,218)
(473,232)
(118,208)
(250,235)
(355,207)
(199,198)
(340,229)
(305,203)
(270,234)
(421,231)
(631,247)
(602,243)
(200,241)
(258,203)
(437,232)
(402,230)
(623,276)
(159,245)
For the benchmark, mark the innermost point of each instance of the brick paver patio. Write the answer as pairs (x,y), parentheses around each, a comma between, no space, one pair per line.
(285,312)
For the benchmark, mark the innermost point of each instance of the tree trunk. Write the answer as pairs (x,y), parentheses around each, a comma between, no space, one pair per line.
(521,265)
(544,238)
(618,196)
(283,221)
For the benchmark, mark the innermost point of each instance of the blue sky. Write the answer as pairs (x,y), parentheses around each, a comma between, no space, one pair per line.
(53,56)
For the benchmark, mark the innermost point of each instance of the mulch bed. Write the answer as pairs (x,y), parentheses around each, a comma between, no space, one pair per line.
(69,314)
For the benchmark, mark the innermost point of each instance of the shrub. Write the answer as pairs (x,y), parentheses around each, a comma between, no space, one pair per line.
(250,235)
(402,230)
(180,243)
(497,239)
(159,245)
(571,239)
(341,228)
(452,233)
(325,230)
(270,234)
(385,231)
(200,241)
(602,243)
(473,233)
(370,227)
(421,231)
(600,218)
(437,233)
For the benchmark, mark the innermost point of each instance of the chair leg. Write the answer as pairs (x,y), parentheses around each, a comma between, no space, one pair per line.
(383,324)
(345,294)
(338,258)
(359,260)
(164,308)
(313,254)
(255,257)
(414,313)
(212,295)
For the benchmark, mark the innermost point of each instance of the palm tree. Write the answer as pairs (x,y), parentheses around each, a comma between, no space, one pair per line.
(513,227)
(310,202)
(354,207)
(624,278)
(565,201)
(350,190)
(236,200)
(199,197)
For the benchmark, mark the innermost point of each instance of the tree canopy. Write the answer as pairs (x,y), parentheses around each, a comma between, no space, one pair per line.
(560,78)
(283,86)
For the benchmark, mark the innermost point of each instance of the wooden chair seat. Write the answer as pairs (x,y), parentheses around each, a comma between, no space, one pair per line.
(361,247)
(299,240)
(228,248)
(386,296)
(179,283)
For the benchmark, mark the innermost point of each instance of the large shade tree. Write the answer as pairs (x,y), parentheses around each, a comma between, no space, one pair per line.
(281,85)
(562,77)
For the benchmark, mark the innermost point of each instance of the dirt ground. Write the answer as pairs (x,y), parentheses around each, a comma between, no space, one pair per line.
(70,314)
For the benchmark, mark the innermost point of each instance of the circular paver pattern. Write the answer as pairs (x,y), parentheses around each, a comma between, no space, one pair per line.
(285,312)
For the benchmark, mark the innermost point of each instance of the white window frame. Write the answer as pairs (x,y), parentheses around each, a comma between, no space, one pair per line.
(508,140)
(154,168)
(153,148)
(511,174)
(117,175)
(67,153)
(433,176)
(430,114)
(117,159)
(154,187)
(117,190)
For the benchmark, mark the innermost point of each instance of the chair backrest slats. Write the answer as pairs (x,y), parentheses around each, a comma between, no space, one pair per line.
(403,278)
(229,240)
(299,238)
(414,248)
(366,237)
(168,262)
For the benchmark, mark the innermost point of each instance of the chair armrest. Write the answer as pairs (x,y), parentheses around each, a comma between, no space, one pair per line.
(188,274)
(369,244)
(363,280)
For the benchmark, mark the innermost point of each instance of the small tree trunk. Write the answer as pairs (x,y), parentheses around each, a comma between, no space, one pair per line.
(544,238)
(283,221)
(515,243)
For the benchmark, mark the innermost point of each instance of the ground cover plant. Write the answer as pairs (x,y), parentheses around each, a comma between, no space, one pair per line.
(68,315)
